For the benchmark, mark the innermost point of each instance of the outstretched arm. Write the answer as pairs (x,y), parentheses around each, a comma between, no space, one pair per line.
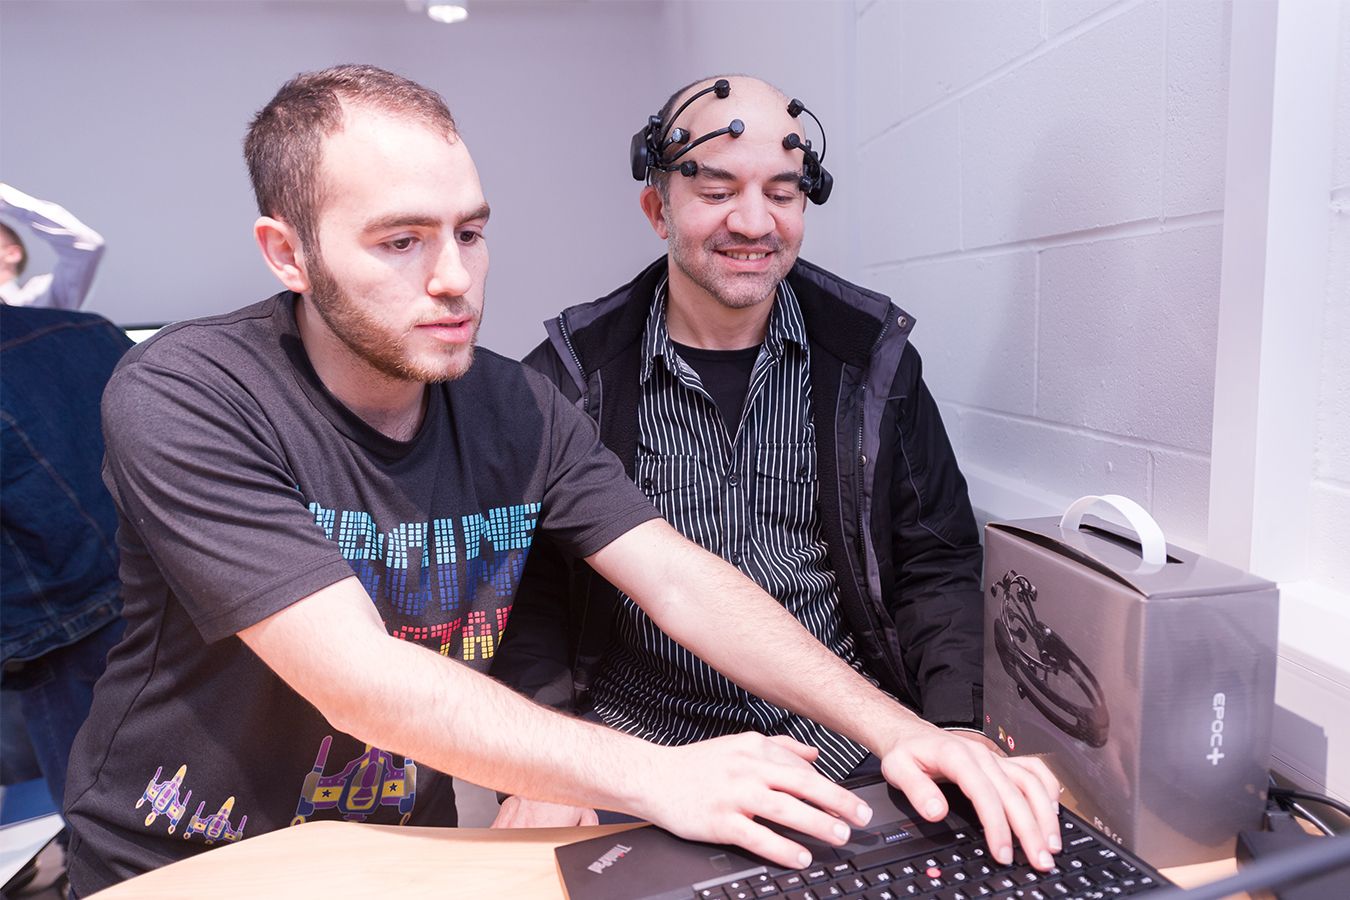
(488,734)
(78,249)
(689,592)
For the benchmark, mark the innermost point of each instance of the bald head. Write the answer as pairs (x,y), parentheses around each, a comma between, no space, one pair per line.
(760,106)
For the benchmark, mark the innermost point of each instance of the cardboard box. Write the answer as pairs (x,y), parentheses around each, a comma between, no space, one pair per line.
(1149,685)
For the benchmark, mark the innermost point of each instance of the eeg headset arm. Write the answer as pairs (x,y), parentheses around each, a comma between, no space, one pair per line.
(649,146)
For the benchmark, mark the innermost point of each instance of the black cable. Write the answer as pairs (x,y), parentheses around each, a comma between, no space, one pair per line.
(736,128)
(1298,810)
(721,87)
(1298,864)
(1278,793)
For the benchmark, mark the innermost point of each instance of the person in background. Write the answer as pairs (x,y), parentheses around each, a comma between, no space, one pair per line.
(78,251)
(59,606)
(775,414)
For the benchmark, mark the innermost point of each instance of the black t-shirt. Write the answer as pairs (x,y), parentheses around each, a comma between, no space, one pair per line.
(242,486)
(725,375)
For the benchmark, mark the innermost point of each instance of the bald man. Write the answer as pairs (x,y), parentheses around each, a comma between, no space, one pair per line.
(776,415)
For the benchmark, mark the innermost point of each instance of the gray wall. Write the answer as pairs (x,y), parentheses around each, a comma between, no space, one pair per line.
(131,114)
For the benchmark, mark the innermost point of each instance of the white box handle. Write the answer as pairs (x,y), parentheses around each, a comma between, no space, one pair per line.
(1151,542)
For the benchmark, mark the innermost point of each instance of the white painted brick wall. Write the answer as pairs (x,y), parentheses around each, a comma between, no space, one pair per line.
(944,46)
(1063,14)
(1197,106)
(976,326)
(879,97)
(1332,454)
(1341,160)
(1071,140)
(1180,495)
(911,205)
(1064,462)
(1127,338)
(1330,536)
(1329,547)
(1068,326)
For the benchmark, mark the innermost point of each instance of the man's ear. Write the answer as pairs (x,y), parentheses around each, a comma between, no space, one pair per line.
(654,208)
(281,250)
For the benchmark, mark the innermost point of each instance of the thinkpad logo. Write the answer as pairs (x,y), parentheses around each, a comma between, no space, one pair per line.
(613,855)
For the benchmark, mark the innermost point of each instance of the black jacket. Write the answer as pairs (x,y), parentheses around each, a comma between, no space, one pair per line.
(893,505)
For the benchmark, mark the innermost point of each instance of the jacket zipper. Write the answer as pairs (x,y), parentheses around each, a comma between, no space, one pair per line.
(567,339)
(872,612)
(861,459)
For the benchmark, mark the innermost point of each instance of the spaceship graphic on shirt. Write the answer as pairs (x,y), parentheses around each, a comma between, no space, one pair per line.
(365,784)
(163,797)
(215,827)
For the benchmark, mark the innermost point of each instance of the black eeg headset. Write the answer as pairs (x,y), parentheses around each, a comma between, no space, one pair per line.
(650,145)
(1035,657)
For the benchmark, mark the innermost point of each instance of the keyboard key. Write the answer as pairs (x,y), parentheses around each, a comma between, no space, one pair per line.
(767,890)
(978,870)
(1004,883)
(905,870)
(790,882)
(815,875)
(843,867)
(878,877)
(881,894)
(1079,841)
(1104,874)
(1079,881)
(853,884)
(712,893)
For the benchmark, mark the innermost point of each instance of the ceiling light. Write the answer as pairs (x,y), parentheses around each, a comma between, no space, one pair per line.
(447,12)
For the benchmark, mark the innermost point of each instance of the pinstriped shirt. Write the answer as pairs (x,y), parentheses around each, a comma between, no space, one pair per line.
(750,497)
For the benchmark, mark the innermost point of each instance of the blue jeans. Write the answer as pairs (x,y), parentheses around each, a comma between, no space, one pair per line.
(54,693)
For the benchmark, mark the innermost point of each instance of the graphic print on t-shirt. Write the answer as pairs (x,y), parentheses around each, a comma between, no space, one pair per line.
(365,784)
(215,827)
(446,584)
(165,799)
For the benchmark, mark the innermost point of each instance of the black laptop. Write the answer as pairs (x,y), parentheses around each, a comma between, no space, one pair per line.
(899,855)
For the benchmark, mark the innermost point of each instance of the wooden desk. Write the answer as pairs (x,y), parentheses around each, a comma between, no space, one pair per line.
(344,859)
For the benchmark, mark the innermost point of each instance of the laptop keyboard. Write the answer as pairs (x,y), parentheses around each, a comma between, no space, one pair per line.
(963,869)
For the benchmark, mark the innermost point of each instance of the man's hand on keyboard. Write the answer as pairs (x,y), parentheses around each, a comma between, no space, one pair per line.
(713,790)
(1012,795)
(521,812)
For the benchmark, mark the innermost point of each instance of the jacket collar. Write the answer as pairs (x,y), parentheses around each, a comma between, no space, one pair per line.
(785,324)
(843,318)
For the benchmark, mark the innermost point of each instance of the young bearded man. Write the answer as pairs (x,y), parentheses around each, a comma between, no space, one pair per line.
(325,500)
(775,414)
